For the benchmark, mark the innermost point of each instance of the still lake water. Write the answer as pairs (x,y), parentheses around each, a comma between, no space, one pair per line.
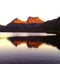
(29,50)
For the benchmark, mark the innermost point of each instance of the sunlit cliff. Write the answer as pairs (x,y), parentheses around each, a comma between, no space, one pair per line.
(29,20)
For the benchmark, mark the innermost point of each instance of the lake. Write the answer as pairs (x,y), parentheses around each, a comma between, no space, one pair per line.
(36,49)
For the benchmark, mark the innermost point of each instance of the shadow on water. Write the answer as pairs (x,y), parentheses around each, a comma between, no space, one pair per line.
(36,41)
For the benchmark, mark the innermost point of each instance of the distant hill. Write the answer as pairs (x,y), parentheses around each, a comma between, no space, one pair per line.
(2,28)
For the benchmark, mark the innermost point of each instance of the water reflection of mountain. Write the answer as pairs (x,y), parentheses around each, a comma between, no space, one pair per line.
(36,41)
(30,41)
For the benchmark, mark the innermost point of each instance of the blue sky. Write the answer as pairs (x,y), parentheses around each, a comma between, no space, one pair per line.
(22,9)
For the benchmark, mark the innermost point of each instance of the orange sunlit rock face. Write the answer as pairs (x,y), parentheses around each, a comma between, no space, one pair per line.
(30,20)
(17,21)
(29,44)
(34,20)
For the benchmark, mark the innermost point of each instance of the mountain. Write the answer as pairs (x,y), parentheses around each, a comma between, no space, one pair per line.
(33,24)
(23,26)
(30,20)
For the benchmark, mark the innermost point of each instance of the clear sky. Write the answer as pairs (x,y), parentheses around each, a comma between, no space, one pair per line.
(22,9)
